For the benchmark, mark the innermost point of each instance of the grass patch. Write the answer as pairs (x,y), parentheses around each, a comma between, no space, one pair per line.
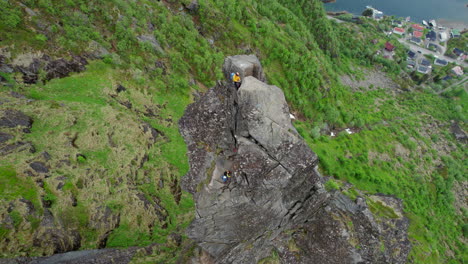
(84,88)
(381,210)
(352,193)
(14,187)
(125,236)
(331,185)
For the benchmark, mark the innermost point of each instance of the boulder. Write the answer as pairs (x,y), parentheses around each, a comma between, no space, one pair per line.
(120,88)
(152,41)
(6,68)
(39,167)
(458,132)
(275,196)
(96,50)
(17,95)
(17,147)
(193,7)
(31,64)
(246,65)
(4,137)
(13,118)
(62,68)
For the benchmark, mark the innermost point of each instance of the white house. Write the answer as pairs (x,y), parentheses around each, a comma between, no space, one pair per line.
(443,36)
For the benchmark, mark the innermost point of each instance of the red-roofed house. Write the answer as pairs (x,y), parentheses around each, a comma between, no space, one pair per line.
(417,27)
(417,34)
(389,46)
(399,30)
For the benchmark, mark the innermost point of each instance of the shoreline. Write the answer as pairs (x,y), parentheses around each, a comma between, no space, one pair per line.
(462,26)
(453,24)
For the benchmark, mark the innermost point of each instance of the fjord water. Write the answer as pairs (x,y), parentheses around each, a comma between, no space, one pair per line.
(451,10)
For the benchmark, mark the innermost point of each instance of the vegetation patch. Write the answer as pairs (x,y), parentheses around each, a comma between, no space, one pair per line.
(378,208)
(273,259)
(14,187)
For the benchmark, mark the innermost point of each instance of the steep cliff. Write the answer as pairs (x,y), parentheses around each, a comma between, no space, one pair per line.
(274,207)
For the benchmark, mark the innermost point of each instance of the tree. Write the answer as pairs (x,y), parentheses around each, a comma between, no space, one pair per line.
(368,12)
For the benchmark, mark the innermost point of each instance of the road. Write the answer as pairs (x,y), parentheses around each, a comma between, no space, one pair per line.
(336,19)
(426,51)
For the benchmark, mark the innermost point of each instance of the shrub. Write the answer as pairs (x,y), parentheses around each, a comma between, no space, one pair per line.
(10,16)
(332,185)
(41,37)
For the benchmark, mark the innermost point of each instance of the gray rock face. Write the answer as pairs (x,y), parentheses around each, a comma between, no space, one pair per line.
(62,68)
(152,41)
(246,65)
(31,64)
(96,256)
(96,50)
(5,67)
(63,240)
(275,200)
(193,7)
(4,137)
(14,118)
(39,167)
(458,132)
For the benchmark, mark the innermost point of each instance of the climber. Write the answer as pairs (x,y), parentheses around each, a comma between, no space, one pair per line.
(235,77)
(226,176)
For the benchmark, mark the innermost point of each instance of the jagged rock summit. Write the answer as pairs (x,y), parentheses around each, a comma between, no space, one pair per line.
(274,207)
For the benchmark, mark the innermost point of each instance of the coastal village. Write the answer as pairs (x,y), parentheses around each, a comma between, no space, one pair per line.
(426,43)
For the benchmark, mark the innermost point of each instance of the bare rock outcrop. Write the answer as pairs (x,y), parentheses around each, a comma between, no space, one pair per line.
(30,66)
(274,206)
(246,65)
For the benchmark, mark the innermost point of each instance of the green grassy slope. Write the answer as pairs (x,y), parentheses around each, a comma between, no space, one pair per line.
(403,146)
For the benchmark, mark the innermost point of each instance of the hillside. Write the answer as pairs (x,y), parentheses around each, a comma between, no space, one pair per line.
(92,92)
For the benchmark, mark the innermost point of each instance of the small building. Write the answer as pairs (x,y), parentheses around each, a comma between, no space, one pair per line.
(455,33)
(432,36)
(399,31)
(457,52)
(443,36)
(425,62)
(378,15)
(447,77)
(417,27)
(411,54)
(432,23)
(397,23)
(389,46)
(457,70)
(423,69)
(410,64)
(417,34)
(440,62)
(415,40)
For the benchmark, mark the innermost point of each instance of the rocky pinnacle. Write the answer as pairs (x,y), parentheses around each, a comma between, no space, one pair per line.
(274,206)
